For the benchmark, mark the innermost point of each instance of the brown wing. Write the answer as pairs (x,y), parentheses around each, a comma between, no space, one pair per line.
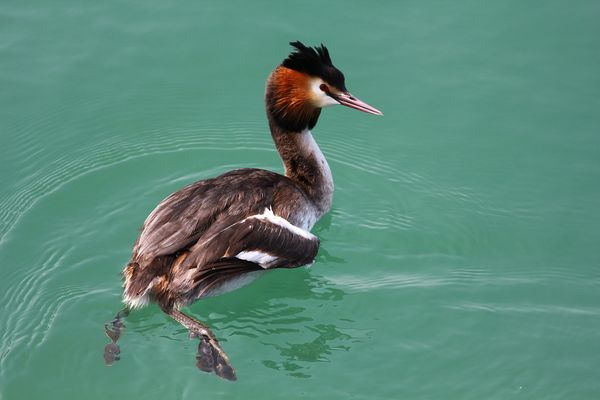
(186,218)
(222,259)
(262,241)
(265,239)
(180,219)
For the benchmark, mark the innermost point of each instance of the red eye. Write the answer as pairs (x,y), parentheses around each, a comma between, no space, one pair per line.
(324,87)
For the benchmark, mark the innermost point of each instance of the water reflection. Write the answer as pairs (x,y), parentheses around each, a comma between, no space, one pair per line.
(296,352)
(296,355)
(300,335)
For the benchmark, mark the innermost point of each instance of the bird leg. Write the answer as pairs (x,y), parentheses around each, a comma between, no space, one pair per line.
(211,356)
(113,330)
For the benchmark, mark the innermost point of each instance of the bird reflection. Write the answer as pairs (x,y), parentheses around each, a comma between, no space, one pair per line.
(279,322)
(297,355)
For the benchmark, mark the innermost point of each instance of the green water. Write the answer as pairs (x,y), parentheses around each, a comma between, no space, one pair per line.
(460,259)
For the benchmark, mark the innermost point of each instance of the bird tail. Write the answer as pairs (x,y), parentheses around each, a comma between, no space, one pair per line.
(137,282)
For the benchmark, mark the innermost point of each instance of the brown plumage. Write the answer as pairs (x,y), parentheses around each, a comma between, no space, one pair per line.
(205,223)
(217,234)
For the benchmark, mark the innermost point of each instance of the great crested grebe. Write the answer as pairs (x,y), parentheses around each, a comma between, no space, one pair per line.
(216,235)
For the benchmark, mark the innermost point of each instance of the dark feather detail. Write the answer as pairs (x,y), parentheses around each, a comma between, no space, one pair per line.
(257,233)
(214,260)
(314,61)
(138,279)
(180,219)
(220,272)
(189,242)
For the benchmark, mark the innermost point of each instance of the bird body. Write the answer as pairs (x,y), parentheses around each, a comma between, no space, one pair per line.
(191,243)
(218,234)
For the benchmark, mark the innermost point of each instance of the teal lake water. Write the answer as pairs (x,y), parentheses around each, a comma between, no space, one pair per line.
(461,257)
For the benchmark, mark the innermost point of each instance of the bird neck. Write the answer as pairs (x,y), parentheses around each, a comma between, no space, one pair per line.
(304,164)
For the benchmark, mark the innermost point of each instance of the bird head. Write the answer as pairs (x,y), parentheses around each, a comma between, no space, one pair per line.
(304,83)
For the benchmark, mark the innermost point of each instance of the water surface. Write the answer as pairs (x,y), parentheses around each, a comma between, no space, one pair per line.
(460,259)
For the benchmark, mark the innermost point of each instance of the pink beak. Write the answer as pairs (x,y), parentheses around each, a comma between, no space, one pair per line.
(346,99)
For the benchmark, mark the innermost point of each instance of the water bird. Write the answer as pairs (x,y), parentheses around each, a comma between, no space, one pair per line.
(215,235)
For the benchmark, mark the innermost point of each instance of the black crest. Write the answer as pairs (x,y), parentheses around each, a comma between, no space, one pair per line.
(314,61)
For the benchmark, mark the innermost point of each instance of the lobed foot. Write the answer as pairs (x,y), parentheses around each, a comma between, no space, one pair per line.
(112,353)
(211,357)
(113,329)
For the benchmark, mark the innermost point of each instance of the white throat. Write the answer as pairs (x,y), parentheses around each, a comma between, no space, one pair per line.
(309,147)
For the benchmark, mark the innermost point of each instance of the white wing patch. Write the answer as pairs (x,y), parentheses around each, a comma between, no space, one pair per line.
(263,258)
(256,256)
(282,222)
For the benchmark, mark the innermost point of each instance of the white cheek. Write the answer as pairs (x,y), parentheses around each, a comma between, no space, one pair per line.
(321,99)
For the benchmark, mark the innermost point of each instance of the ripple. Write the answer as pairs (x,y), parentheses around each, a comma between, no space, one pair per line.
(35,299)
(109,152)
(22,296)
(359,154)
(438,279)
(33,291)
(290,336)
(384,218)
(26,298)
(527,309)
(65,168)
(351,152)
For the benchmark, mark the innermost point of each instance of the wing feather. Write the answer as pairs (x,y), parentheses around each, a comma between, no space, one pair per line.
(186,215)
(287,245)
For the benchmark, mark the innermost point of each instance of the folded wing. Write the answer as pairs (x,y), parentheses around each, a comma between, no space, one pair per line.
(225,257)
